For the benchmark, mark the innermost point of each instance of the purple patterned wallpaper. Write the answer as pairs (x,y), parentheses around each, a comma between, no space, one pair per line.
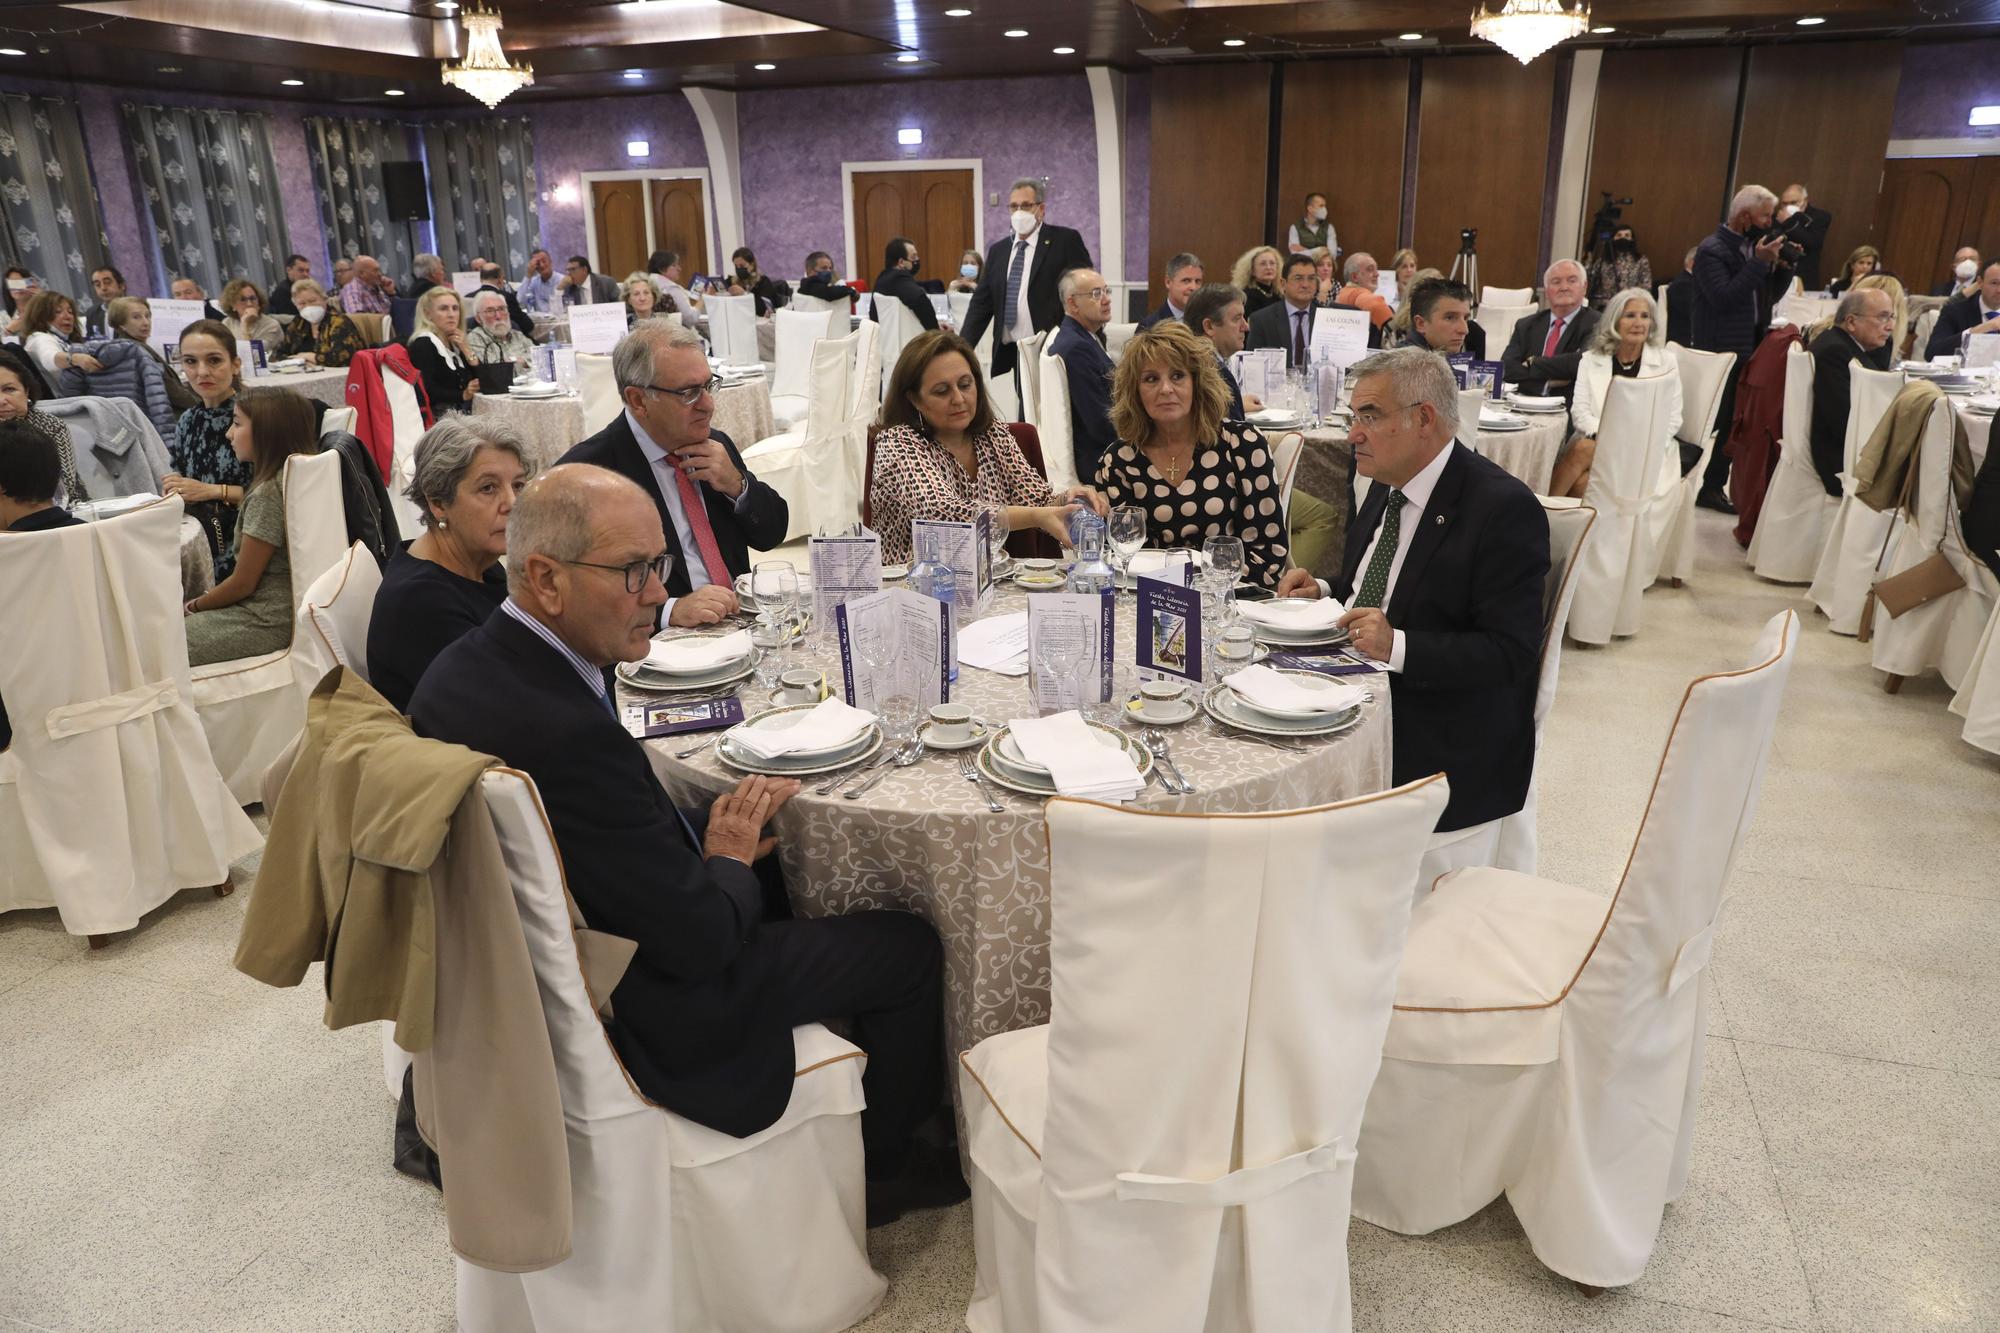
(1138,173)
(1940,85)
(1019,127)
(574,137)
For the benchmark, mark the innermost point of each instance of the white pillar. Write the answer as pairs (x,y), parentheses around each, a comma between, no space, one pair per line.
(716,110)
(1107,105)
(1573,176)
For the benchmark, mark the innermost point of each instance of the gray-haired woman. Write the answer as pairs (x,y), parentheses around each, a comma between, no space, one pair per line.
(1629,344)
(494,338)
(449,580)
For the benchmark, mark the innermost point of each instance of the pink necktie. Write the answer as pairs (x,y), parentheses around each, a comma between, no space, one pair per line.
(1555,336)
(704,535)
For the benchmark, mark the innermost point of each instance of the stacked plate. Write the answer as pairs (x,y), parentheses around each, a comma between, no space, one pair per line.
(1501,421)
(1292,622)
(1001,760)
(799,763)
(534,389)
(1232,709)
(692,666)
(1040,574)
(1532,403)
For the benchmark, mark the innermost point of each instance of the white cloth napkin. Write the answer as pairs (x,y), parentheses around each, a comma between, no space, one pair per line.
(91,510)
(1269,688)
(1078,763)
(830,722)
(696,653)
(1294,613)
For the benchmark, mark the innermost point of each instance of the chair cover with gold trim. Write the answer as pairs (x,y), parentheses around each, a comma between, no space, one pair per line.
(110,802)
(251,708)
(675,1227)
(331,628)
(1792,525)
(1846,568)
(1547,1043)
(1635,488)
(1702,376)
(1175,1148)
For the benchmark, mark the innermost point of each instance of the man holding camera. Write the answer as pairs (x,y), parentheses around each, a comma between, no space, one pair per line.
(1729,272)
(1805,222)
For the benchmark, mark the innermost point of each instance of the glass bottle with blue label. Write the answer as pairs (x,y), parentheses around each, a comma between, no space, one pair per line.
(933,577)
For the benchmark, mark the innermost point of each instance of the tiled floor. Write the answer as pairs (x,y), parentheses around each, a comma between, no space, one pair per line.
(186,1149)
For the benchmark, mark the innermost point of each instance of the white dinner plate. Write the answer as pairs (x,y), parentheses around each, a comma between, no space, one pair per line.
(680,670)
(637,677)
(1502,427)
(1027,783)
(1310,680)
(1225,706)
(1009,750)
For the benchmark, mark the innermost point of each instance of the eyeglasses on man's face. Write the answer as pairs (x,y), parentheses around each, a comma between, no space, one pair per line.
(689,395)
(1372,418)
(635,572)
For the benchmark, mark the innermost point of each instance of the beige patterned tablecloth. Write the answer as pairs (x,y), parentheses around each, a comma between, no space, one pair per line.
(924,840)
(328,386)
(1528,454)
(551,425)
(1978,430)
(197,564)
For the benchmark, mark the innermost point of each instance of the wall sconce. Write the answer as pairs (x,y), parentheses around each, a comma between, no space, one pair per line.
(638,148)
(910,138)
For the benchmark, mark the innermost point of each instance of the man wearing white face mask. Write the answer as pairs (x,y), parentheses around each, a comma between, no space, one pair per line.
(1964,279)
(1018,294)
(1313,230)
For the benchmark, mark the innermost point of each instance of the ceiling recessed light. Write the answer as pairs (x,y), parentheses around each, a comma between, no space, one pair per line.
(635,73)
(1412,37)
(1811,22)
(908,58)
(958,13)
(392,92)
(1015,32)
(1065,50)
(1604,30)
(11,51)
(445,6)
(1232,41)
(293,83)
(764,67)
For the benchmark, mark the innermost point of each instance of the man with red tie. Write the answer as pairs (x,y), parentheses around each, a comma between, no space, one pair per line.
(1542,355)
(712,510)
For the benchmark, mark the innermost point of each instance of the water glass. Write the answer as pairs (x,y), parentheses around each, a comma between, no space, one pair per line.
(1128,534)
(769,637)
(899,715)
(1110,712)
(1224,560)
(1235,647)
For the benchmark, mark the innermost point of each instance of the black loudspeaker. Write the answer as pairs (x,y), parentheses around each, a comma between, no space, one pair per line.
(404,191)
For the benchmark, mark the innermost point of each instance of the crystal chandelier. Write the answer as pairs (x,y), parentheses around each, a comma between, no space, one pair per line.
(485,72)
(1526,28)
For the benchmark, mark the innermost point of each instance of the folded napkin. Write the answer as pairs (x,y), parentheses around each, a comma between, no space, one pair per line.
(1078,763)
(697,653)
(826,725)
(1266,688)
(1294,613)
(1162,564)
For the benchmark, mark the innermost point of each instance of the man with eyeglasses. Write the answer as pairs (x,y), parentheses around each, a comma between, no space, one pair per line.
(1862,325)
(1019,288)
(1442,577)
(1079,341)
(582,287)
(712,510)
(717,976)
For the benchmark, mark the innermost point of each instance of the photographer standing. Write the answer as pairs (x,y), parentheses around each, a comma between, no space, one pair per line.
(1809,230)
(1729,272)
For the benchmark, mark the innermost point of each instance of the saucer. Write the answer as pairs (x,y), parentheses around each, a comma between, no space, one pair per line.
(1182,711)
(890,573)
(980,732)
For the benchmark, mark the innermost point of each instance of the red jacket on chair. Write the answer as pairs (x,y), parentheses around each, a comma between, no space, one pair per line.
(1753,435)
(372,423)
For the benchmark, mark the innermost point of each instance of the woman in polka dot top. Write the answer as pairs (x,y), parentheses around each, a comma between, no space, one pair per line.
(1195,474)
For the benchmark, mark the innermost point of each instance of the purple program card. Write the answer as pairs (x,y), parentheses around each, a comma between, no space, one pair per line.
(670,719)
(1322,664)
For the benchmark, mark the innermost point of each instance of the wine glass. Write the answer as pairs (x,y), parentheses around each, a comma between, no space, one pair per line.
(1222,558)
(1059,655)
(997,532)
(1128,535)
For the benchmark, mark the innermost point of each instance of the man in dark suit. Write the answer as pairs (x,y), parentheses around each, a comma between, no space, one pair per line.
(1441,319)
(711,509)
(1216,313)
(1811,237)
(703,1013)
(1289,323)
(1863,324)
(1730,268)
(1977,313)
(1183,280)
(107,284)
(582,287)
(1443,577)
(1680,303)
(426,272)
(281,306)
(1544,352)
(1087,366)
(820,280)
(898,282)
(491,279)
(1017,290)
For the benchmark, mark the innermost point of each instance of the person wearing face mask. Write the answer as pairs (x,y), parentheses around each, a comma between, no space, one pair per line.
(1619,267)
(898,281)
(1730,267)
(1017,293)
(970,266)
(1312,231)
(323,336)
(821,282)
(1978,312)
(1964,278)
(1811,236)
(745,279)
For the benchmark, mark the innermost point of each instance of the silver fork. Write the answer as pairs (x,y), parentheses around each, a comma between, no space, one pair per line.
(849,774)
(970,772)
(907,755)
(1156,741)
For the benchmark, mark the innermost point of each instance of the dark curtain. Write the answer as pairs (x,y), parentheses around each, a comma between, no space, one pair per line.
(347,158)
(482,175)
(50,223)
(211,185)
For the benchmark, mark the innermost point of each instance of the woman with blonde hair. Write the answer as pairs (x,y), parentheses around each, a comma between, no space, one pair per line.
(1404,265)
(642,298)
(1630,343)
(1397,330)
(439,352)
(1256,272)
(1883,282)
(1196,474)
(1862,261)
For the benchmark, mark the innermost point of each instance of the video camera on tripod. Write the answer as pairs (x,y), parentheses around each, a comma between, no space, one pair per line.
(1606,221)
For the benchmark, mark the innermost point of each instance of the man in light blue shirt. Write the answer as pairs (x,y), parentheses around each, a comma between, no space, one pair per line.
(537,288)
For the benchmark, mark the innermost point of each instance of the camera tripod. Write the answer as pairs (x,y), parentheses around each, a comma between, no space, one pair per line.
(1468,262)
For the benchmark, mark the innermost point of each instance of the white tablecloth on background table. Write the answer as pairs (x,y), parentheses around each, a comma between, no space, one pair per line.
(1528,454)
(1978,428)
(550,426)
(327,386)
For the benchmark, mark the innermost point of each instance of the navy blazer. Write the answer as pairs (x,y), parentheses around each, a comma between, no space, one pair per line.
(1165,314)
(1954,318)
(1523,359)
(761,524)
(1087,367)
(1832,353)
(1057,251)
(1727,283)
(901,285)
(1236,412)
(1469,602)
(692,1019)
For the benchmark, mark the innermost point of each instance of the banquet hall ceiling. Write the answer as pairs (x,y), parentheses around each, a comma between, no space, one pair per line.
(356,50)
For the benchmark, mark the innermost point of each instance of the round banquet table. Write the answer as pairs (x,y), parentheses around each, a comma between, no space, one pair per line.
(1978,429)
(1528,454)
(924,840)
(328,386)
(551,425)
(197,564)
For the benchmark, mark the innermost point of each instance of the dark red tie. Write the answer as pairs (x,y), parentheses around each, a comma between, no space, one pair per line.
(1298,338)
(704,535)
(1555,335)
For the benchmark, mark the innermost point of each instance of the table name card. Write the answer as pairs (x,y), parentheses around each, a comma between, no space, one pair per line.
(647,720)
(843,568)
(894,642)
(1981,350)
(170,317)
(464,283)
(1339,336)
(1169,630)
(1081,623)
(251,354)
(596,328)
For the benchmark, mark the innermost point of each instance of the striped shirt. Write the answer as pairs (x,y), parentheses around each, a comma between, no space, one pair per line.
(591,675)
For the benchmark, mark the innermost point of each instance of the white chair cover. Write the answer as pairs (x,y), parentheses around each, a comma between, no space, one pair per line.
(406,422)
(338,419)
(732,329)
(1504,296)
(961,306)
(251,708)
(1058,436)
(1978,699)
(833,313)
(818,469)
(1570,522)
(795,333)
(1854,541)
(1286,450)
(597,390)
(867,381)
(1635,488)
(1547,1043)
(1792,525)
(1028,355)
(1942,633)
(896,326)
(1920,338)
(332,625)
(110,802)
(1117,335)
(1178,1139)
(1499,320)
(675,1227)
(1804,310)
(1660,296)
(1702,376)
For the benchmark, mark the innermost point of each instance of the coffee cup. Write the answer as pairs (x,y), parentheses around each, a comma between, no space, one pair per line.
(1160,699)
(742,586)
(951,724)
(801,687)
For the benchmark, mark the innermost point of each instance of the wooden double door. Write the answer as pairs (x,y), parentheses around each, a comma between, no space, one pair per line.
(1929,207)
(931,207)
(634,217)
